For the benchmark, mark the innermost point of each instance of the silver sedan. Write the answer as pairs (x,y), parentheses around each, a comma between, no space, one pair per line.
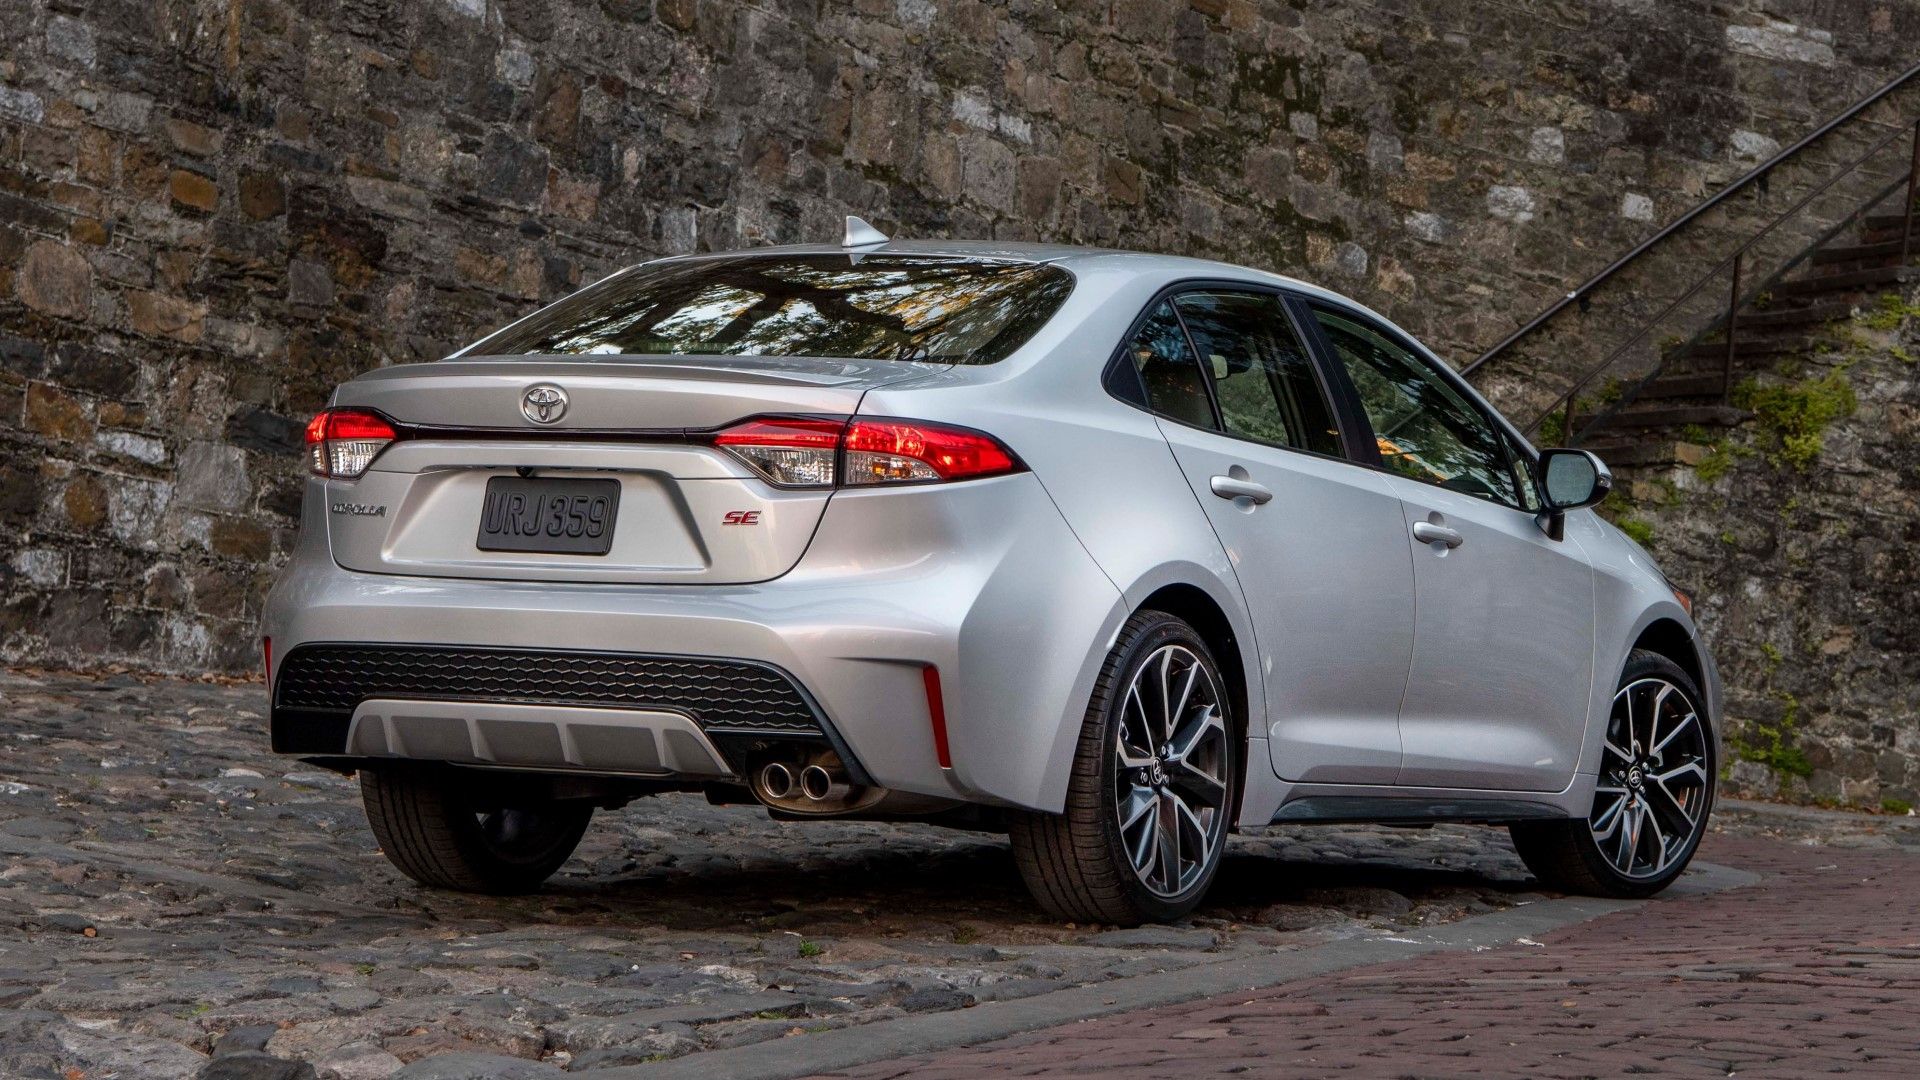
(1115,552)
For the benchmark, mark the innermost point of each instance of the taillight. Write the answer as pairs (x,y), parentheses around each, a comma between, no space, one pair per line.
(907,451)
(341,443)
(820,452)
(792,451)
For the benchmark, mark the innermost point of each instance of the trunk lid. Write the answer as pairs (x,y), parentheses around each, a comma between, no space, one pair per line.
(686,513)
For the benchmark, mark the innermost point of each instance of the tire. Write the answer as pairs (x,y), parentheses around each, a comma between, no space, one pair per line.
(432,829)
(1610,852)
(1085,865)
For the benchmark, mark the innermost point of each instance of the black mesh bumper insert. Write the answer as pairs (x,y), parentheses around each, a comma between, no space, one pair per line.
(720,695)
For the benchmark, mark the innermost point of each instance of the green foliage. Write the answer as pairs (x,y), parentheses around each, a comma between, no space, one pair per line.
(1796,414)
(1715,464)
(1889,312)
(1552,430)
(1896,806)
(1773,745)
(1640,532)
(811,948)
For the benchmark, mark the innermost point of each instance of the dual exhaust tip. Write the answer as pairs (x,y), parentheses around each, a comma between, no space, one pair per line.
(815,783)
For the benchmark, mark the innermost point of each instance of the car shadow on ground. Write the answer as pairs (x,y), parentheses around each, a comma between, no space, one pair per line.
(931,878)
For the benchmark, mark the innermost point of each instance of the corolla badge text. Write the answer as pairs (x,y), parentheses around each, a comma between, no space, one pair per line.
(359,509)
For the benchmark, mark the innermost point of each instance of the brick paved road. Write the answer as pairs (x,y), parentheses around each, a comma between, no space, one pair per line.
(1815,970)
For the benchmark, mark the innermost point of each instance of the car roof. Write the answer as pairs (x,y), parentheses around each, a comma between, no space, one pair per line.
(1063,255)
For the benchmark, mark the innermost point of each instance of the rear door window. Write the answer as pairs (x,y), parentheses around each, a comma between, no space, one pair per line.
(865,307)
(1169,374)
(1262,375)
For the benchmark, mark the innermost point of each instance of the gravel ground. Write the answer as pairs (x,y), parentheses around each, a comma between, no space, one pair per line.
(171,888)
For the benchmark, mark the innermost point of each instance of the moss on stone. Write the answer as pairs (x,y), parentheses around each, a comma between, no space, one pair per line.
(1774,745)
(1890,312)
(1795,415)
(1640,532)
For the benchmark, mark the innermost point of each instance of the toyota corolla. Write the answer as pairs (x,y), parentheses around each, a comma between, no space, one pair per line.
(1117,553)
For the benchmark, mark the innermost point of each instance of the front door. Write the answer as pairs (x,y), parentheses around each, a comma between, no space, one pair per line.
(1319,543)
(1502,670)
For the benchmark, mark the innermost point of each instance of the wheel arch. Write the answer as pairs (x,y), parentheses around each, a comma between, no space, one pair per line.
(1675,642)
(1198,609)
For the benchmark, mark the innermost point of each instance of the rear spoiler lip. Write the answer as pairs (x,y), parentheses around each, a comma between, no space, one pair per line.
(474,432)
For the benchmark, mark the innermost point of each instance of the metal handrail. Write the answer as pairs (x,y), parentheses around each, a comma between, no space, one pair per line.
(1628,395)
(1581,293)
(1737,300)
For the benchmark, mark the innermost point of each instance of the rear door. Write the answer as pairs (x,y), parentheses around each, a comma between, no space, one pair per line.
(1318,543)
(1497,693)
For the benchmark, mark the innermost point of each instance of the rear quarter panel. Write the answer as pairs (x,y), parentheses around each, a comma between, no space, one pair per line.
(1107,468)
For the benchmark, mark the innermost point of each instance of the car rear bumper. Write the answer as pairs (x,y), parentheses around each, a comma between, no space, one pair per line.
(981,581)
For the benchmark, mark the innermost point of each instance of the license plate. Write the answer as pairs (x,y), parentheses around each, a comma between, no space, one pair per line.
(558,517)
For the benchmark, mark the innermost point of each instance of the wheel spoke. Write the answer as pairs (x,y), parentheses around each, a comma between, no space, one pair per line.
(1607,821)
(1678,730)
(1140,803)
(1633,730)
(1169,821)
(1204,724)
(1194,841)
(1166,698)
(1629,840)
(1179,711)
(1692,768)
(1145,846)
(1651,821)
(1675,814)
(1625,758)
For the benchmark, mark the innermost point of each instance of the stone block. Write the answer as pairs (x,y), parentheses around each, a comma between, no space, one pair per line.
(213,476)
(55,279)
(165,316)
(192,191)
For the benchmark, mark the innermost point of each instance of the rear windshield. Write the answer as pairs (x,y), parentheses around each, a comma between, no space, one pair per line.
(863,307)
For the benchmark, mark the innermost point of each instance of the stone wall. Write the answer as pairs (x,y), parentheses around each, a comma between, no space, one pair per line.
(211,211)
(1798,535)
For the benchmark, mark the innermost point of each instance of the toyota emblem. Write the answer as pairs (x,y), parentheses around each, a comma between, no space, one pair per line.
(544,404)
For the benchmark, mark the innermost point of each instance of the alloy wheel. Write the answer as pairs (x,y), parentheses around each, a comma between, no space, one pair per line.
(1652,796)
(1170,771)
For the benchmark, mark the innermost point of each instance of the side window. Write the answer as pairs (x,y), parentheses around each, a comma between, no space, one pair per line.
(1261,373)
(1168,373)
(1523,470)
(1426,429)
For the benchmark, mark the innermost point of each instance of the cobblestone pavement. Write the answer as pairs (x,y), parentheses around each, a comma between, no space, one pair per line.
(168,883)
(1815,970)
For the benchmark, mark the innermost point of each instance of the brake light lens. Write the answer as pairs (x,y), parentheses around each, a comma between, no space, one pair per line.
(907,452)
(341,443)
(821,452)
(797,451)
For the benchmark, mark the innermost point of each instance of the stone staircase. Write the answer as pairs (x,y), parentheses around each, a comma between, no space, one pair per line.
(1690,395)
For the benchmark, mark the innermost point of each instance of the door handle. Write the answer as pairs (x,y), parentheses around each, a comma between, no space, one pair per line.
(1232,487)
(1428,533)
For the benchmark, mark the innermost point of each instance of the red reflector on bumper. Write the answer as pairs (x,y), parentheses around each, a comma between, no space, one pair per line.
(937,715)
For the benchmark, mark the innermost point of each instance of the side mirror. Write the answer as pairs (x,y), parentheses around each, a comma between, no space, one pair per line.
(1569,480)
